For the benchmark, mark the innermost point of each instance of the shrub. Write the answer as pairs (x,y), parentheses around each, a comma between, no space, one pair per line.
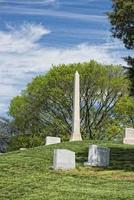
(25,141)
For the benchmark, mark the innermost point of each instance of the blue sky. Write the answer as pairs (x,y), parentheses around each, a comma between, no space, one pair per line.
(34,34)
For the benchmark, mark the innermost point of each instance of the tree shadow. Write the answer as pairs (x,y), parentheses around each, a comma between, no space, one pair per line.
(120,158)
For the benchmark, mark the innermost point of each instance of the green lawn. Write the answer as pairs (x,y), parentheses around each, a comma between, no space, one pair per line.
(27,175)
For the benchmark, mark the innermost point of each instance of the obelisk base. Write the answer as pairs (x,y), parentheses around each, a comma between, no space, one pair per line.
(76,137)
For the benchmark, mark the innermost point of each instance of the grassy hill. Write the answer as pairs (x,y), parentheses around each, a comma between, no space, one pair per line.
(27,175)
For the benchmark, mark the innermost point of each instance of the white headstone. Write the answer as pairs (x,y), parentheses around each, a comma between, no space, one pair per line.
(52,140)
(76,135)
(129,136)
(23,149)
(63,159)
(98,156)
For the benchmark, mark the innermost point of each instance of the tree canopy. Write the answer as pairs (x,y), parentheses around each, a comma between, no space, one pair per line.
(7,130)
(46,105)
(122,21)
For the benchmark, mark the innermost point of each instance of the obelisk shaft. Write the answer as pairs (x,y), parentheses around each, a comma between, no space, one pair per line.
(76,136)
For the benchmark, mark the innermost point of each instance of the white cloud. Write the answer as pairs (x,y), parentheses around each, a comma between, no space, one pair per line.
(29,1)
(21,56)
(22,40)
(8,90)
(51,12)
(3,108)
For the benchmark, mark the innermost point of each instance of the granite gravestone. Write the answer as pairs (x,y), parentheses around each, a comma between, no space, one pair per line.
(63,159)
(98,156)
(52,140)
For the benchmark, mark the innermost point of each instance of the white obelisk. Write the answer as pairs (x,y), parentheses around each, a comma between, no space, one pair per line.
(76,135)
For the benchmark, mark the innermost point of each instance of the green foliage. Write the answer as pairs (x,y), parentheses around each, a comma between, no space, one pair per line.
(130,72)
(123,116)
(7,129)
(124,110)
(27,175)
(114,130)
(122,21)
(20,107)
(47,103)
(25,141)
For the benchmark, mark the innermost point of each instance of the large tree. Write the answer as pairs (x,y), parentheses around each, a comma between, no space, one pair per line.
(7,130)
(122,22)
(47,103)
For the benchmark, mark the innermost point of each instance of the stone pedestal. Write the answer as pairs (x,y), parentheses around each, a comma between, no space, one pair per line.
(63,159)
(52,140)
(76,135)
(129,136)
(98,156)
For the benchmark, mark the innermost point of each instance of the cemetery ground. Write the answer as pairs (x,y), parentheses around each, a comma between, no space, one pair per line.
(28,175)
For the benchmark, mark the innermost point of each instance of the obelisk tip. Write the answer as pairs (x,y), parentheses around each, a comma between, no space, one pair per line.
(76,73)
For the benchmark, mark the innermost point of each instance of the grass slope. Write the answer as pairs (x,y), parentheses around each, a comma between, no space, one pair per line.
(26,175)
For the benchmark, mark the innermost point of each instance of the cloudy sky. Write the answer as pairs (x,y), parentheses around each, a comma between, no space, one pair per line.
(34,34)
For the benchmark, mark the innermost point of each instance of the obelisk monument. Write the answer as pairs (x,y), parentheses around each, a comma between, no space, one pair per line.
(76,135)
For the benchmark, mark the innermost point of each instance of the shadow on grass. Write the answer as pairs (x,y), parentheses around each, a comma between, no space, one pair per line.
(120,158)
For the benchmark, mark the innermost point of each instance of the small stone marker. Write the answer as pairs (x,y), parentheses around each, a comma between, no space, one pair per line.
(129,136)
(22,149)
(98,156)
(52,140)
(63,159)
